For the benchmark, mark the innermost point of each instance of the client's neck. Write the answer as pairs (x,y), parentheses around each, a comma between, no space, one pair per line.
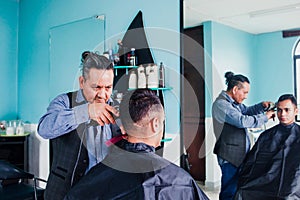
(147,141)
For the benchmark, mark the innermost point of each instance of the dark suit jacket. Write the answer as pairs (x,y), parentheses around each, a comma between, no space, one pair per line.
(231,143)
(70,159)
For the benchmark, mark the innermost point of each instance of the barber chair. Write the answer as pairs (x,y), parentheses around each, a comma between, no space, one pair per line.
(14,183)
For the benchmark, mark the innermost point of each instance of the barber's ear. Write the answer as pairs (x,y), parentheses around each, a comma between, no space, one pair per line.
(81,81)
(234,89)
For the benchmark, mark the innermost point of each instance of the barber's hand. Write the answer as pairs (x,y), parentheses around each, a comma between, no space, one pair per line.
(271,114)
(102,113)
(268,104)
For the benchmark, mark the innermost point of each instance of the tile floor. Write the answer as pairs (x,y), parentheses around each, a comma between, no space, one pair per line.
(212,194)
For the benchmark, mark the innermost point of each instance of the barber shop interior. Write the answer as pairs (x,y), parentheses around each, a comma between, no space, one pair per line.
(186,99)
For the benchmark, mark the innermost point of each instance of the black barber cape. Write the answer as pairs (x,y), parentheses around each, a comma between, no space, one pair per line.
(271,170)
(134,171)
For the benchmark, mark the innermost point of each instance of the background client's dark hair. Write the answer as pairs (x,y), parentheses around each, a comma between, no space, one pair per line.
(286,97)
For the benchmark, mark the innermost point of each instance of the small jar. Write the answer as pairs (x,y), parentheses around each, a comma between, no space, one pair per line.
(10,129)
(20,128)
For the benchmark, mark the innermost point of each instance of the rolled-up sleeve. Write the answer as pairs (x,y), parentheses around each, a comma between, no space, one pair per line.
(224,111)
(60,118)
(252,110)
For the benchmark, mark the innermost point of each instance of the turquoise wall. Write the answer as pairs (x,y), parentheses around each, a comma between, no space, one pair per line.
(266,59)
(227,49)
(208,69)
(232,50)
(274,70)
(37,17)
(9,11)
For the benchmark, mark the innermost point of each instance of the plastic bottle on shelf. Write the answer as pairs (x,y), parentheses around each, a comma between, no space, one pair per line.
(147,69)
(116,59)
(153,77)
(128,59)
(161,75)
(132,59)
(110,56)
(132,84)
(141,77)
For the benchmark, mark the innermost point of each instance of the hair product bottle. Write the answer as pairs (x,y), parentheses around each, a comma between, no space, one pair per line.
(161,75)
(141,77)
(132,84)
(153,77)
(132,58)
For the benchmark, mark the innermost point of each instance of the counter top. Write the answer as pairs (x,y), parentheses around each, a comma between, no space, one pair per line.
(3,134)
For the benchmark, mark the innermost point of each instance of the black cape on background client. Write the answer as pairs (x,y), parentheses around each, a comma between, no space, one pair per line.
(272,170)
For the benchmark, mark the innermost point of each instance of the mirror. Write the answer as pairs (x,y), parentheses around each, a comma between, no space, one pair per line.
(66,44)
(237,40)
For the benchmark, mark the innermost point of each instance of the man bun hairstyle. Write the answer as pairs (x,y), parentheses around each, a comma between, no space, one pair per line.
(235,80)
(84,55)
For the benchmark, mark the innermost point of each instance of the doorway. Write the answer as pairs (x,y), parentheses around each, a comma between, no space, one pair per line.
(193,101)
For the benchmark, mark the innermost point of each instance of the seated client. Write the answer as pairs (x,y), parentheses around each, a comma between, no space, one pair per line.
(132,170)
(271,170)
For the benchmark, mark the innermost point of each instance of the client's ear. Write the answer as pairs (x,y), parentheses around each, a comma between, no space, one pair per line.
(155,124)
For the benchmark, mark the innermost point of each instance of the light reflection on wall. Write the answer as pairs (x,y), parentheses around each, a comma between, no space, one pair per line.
(66,44)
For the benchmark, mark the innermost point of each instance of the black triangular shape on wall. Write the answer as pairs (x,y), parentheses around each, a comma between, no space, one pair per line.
(135,37)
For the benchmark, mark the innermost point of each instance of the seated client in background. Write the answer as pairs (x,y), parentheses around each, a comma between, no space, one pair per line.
(271,169)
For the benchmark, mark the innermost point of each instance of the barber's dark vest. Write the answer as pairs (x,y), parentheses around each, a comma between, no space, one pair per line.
(230,142)
(70,160)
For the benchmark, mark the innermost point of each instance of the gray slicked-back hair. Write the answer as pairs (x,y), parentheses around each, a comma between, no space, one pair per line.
(91,60)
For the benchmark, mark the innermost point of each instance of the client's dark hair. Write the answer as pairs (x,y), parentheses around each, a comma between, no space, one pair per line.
(136,104)
(91,60)
(288,96)
(235,80)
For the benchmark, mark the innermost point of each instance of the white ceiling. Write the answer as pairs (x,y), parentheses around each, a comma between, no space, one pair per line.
(253,16)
